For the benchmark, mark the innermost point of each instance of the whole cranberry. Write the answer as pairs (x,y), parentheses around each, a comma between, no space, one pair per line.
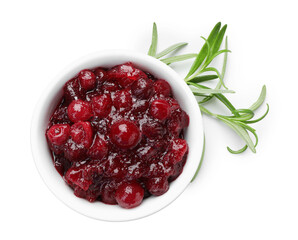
(129,195)
(160,109)
(178,149)
(58,134)
(72,90)
(99,148)
(142,88)
(122,99)
(157,186)
(81,133)
(101,105)
(87,79)
(162,87)
(125,74)
(125,134)
(100,74)
(79,110)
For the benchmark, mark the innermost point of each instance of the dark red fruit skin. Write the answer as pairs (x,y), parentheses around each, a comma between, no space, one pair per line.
(81,134)
(72,90)
(162,87)
(87,79)
(160,109)
(129,195)
(74,152)
(100,74)
(79,110)
(153,130)
(99,148)
(125,74)
(178,149)
(125,134)
(142,88)
(101,105)
(98,156)
(61,164)
(122,100)
(78,177)
(157,186)
(58,134)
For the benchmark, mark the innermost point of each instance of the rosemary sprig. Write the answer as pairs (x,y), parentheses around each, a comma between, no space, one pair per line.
(240,119)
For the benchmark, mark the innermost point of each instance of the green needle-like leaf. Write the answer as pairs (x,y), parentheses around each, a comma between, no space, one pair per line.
(202,158)
(224,65)
(241,150)
(217,43)
(240,131)
(203,78)
(260,100)
(201,89)
(260,118)
(171,49)
(153,47)
(178,58)
(204,50)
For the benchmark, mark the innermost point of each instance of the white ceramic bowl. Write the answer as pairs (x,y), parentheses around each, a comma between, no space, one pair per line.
(48,102)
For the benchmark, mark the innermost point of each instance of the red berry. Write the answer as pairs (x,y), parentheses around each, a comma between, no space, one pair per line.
(81,133)
(129,195)
(101,105)
(79,110)
(58,134)
(99,148)
(142,88)
(162,87)
(177,150)
(72,90)
(157,186)
(122,99)
(125,74)
(87,79)
(100,74)
(160,109)
(125,134)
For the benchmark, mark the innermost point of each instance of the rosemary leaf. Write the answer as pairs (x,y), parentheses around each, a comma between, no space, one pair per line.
(217,43)
(203,78)
(153,47)
(240,131)
(171,49)
(260,100)
(178,58)
(203,52)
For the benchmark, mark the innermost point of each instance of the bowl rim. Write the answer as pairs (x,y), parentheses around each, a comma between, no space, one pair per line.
(114,212)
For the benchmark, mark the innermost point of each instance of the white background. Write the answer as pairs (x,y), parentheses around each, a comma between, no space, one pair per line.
(247,196)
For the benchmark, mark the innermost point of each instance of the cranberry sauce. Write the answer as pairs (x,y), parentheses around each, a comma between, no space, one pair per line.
(117,135)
